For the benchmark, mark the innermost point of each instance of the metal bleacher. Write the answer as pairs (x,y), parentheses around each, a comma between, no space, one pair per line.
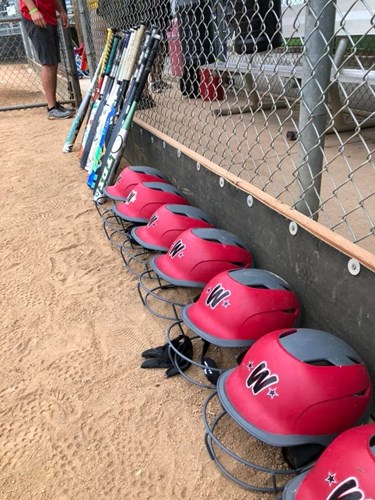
(286,63)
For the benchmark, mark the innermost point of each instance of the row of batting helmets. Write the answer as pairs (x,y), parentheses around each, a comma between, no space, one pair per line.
(301,391)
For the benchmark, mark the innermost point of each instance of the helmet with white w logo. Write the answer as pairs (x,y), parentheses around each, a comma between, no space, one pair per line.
(295,390)
(344,471)
(145,198)
(239,306)
(198,254)
(129,178)
(194,258)
(167,223)
(235,309)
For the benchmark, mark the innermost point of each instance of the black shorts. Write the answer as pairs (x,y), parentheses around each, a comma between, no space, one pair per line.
(45,42)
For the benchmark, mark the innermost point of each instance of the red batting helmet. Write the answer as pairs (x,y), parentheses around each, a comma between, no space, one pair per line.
(130,177)
(294,389)
(345,470)
(237,307)
(197,255)
(145,198)
(167,223)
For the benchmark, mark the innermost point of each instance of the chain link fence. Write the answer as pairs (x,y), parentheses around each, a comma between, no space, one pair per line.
(20,83)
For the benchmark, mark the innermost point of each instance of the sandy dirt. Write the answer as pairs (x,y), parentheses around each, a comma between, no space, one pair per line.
(79,419)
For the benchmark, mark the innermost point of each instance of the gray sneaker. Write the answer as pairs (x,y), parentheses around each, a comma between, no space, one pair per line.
(63,108)
(59,113)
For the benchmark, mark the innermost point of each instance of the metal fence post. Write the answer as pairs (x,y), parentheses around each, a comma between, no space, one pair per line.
(319,30)
(87,37)
(71,67)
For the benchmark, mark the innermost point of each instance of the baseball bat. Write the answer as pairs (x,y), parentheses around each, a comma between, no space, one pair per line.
(105,106)
(125,76)
(120,142)
(103,90)
(81,112)
(121,113)
(102,65)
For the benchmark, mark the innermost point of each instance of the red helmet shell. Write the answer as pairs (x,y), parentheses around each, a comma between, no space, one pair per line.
(130,177)
(167,223)
(145,198)
(239,306)
(345,470)
(297,387)
(198,254)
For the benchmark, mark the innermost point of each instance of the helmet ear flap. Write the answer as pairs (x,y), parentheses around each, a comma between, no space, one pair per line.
(240,357)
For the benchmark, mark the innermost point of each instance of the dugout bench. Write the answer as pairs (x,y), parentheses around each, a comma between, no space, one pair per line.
(356,21)
(250,70)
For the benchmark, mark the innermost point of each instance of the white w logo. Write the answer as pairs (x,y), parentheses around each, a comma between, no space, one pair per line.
(177,248)
(347,490)
(261,378)
(154,217)
(217,295)
(131,197)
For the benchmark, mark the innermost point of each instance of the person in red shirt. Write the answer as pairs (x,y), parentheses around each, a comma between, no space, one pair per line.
(40,22)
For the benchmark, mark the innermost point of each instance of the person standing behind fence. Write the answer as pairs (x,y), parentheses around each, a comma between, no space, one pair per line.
(157,13)
(161,16)
(40,22)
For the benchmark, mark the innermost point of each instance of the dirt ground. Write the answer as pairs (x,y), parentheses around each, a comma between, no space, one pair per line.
(79,419)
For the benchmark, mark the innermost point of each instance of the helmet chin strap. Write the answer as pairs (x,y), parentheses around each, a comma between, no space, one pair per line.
(168,356)
(301,456)
(185,347)
(128,233)
(211,370)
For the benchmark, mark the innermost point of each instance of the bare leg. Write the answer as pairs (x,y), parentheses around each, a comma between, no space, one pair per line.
(49,82)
